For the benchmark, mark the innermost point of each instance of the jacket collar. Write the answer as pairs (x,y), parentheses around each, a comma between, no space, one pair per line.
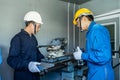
(91,25)
(23,31)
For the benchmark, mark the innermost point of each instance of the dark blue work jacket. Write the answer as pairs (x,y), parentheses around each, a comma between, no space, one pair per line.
(23,49)
(98,53)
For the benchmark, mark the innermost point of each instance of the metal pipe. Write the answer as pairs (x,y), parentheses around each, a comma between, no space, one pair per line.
(68,27)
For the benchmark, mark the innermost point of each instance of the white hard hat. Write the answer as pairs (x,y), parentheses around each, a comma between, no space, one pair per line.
(33,16)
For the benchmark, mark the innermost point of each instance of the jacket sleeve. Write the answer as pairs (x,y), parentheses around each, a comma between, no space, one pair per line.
(100,52)
(39,55)
(14,59)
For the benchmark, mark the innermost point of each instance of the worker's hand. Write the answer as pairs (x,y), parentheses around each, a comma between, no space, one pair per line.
(77,54)
(32,66)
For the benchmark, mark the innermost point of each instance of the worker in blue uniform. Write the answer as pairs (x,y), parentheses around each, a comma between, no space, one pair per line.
(0,60)
(24,55)
(98,49)
(0,56)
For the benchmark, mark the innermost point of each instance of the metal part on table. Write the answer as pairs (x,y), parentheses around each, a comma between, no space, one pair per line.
(55,63)
(56,54)
(56,48)
(56,60)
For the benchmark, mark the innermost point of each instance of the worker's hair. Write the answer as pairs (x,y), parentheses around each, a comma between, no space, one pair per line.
(28,22)
(90,17)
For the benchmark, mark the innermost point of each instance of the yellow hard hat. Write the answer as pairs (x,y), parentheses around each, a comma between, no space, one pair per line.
(81,11)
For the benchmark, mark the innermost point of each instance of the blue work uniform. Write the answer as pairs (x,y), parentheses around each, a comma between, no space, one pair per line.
(98,53)
(23,49)
(0,60)
(0,56)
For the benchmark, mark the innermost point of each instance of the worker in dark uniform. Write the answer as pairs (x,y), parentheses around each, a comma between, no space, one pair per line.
(24,55)
(98,49)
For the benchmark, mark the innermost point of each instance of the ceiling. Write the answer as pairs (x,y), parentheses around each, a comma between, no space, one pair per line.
(76,1)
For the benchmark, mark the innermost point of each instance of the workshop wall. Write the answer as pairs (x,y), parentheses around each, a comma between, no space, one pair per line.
(102,6)
(54,15)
